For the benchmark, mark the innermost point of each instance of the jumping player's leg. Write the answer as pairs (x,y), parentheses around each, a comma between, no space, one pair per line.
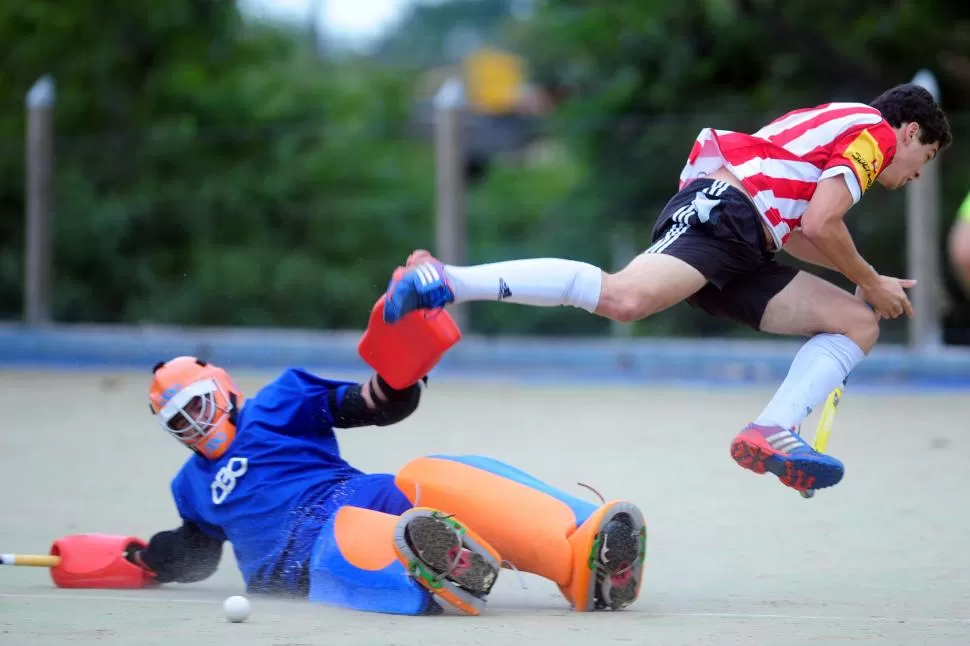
(647,285)
(843,331)
(783,300)
(651,283)
(595,554)
(379,553)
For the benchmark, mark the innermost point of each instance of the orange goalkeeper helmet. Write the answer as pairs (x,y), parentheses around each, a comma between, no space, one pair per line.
(197,403)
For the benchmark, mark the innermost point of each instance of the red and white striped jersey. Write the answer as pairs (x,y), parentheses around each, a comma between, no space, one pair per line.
(781,165)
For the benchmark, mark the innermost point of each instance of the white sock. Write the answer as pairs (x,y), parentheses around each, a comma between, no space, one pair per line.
(542,282)
(823,363)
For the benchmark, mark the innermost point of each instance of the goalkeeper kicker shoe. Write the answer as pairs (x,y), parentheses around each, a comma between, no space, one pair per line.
(447,558)
(609,552)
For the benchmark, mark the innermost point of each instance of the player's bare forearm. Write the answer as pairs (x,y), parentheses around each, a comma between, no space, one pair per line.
(835,241)
(799,246)
(374,403)
(824,227)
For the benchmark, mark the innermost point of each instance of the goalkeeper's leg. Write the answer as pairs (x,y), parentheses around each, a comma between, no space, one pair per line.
(595,554)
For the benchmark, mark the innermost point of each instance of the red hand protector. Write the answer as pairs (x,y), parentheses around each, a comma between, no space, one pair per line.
(406,351)
(97,561)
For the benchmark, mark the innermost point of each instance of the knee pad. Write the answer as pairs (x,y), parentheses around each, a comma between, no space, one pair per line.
(355,565)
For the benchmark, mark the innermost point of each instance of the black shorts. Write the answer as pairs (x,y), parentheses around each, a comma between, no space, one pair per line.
(715,228)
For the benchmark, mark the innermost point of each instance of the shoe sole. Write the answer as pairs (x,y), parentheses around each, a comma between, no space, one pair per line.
(426,544)
(435,542)
(799,473)
(613,552)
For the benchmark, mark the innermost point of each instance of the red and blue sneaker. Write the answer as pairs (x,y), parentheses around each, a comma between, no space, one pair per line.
(783,452)
(422,286)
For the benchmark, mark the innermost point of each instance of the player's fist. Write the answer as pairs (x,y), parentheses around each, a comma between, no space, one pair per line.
(887,296)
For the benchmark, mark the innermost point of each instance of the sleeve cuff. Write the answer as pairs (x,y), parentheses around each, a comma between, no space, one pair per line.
(851,180)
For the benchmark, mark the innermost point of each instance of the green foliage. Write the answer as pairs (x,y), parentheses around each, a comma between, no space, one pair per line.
(232,178)
(534,211)
(434,34)
(211,171)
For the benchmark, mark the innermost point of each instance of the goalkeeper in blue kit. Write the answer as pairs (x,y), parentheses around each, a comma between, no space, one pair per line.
(267,477)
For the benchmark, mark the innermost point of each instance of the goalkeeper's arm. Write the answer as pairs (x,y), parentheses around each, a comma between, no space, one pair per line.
(183,555)
(374,403)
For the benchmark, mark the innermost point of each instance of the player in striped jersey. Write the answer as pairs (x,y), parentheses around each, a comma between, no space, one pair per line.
(743,198)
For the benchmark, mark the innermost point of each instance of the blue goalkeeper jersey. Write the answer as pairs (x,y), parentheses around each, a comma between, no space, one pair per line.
(280,479)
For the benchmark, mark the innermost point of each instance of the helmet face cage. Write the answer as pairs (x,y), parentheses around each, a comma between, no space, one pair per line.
(194,411)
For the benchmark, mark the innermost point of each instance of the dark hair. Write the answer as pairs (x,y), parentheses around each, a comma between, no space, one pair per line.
(910,103)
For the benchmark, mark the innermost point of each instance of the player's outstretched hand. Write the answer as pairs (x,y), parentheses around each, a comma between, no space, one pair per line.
(888,297)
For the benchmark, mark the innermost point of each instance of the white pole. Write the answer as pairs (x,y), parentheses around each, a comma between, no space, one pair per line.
(922,245)
(450,225)
(38,252)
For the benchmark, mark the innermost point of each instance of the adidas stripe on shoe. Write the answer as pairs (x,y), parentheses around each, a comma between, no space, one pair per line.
(784,453)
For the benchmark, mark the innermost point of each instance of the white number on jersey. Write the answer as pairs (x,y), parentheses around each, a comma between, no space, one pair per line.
(225,480)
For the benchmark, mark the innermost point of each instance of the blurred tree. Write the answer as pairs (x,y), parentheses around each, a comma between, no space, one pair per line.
(208,171)
(442,33)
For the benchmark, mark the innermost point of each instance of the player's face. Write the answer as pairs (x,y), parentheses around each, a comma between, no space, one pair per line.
(910,159)
(190,413)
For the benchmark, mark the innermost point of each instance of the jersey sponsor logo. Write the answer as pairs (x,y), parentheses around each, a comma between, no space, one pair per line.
(225,480)
(866,158)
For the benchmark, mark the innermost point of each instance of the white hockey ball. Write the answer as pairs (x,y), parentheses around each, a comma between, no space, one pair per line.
(236,609)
